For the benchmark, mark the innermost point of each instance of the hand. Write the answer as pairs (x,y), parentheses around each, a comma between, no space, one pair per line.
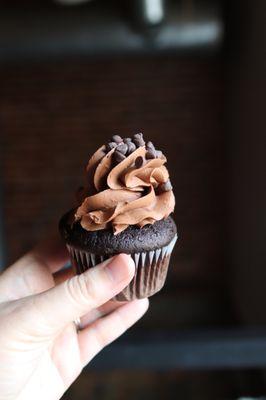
(41,352)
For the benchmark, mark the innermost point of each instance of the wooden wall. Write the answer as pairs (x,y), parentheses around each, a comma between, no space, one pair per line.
(54,115)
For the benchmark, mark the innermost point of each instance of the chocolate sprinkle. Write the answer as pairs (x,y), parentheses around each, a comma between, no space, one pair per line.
(164,187)
(150,154)
(150,146)
(139,162)
(131,147)
(119,156)
(122,148)
(126,146)
(117,139)
(110,146)
(138,139)
(138,135)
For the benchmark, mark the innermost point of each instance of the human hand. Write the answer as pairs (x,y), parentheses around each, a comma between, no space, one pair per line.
(41,352)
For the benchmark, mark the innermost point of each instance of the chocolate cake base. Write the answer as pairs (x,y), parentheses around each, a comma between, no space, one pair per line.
(131,240)
(150,247)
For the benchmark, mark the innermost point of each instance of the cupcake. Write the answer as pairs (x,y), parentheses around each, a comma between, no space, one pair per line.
(124,207)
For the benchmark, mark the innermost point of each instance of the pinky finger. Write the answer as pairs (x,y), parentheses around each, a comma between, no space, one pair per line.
(105,330)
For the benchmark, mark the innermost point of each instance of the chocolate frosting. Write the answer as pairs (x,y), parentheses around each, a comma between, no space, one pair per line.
(120,195)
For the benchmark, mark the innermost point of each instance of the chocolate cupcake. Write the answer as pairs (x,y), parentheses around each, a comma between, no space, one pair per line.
(124,207)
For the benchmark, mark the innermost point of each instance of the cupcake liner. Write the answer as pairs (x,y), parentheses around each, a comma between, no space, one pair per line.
(150,273)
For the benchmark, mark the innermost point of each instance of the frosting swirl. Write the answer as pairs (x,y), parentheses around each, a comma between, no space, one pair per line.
(123,194)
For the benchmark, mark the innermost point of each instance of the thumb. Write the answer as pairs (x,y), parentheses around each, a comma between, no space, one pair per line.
(75,297)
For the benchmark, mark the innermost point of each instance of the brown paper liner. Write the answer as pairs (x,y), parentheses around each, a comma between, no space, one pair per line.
(150,273)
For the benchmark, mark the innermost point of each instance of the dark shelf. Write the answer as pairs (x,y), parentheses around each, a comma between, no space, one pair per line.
(206,349)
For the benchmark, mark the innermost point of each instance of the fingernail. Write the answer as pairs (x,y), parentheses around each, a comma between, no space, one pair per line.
(120,268)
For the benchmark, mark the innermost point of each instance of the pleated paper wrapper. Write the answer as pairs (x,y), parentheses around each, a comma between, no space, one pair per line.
(150,273)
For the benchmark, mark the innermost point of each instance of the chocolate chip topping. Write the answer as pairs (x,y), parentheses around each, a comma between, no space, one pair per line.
(131,147)
(126,146)
(138,139)
(167,186)
(139,162)
(164,187)
(122,148)
(150,154)
(117,139)
(150,146)
(119,156)
(158,154)
(110,146)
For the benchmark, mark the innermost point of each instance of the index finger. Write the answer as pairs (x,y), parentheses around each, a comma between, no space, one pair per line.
(32,273)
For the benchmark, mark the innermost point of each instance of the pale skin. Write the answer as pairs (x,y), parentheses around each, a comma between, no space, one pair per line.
(41,352)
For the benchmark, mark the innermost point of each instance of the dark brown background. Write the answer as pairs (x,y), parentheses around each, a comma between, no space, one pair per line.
(53,116)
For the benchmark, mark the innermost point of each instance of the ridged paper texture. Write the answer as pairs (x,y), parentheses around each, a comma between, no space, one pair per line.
(150,274)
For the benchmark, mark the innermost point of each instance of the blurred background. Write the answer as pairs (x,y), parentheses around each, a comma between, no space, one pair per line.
(190,75)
